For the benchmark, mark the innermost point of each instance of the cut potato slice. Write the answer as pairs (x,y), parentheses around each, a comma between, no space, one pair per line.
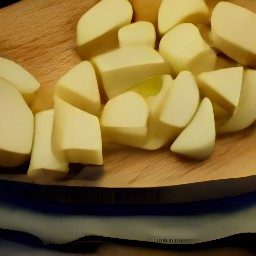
(153,139)
(149,87)
(76,133)
(222,86)
(181,101)
(159,133)
(183,48)
(44,163)
(140,33)
(24,82)
(121,69)
(197,140)
(124,118)
(97,29)
(157,102)
(233,32)
(245,113)
(174,12)
(79,87)
(16,126)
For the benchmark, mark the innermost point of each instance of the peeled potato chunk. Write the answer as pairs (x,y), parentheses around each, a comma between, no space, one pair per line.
(149,87)
(79,87)
(155,90)
(222,86)
(121,69)
(24,82)
(44,162)
(124,118)
(159,133)
(149,122)
(97,29)
(245,113)
(140,33)
(16,126)
(197,140)
(183,48)
(181,101)
(76,133)
(233,32)
(174,12)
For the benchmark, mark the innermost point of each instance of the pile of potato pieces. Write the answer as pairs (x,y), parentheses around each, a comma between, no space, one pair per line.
(200,80)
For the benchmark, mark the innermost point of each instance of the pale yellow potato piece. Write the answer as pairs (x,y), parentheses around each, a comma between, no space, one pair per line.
(233,32)
(76,133)
(157,102)
(222,86)
(181,101)
(174,12)
(16,126)
(149,87)
(124,118)
(159,133)
(183,48)
(44,162)
(140,33)
(123,68)
(153,139)
(197,140)
(24,82)
(97,29)
(245,113)
(79,87)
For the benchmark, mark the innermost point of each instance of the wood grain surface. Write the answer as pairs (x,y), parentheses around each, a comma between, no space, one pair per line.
(40,35)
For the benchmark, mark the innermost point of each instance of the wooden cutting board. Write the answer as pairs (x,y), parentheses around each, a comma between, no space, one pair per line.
(40,35)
